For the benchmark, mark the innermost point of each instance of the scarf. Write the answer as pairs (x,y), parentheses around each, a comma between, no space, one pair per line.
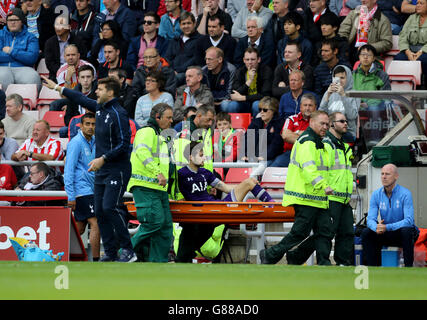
(364,23)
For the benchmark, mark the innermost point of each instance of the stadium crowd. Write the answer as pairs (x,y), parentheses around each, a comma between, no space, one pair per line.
(277,60)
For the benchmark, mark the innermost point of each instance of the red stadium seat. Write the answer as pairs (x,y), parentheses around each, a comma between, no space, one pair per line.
(46,96)
(237,175)
(27,91)
(55,119)
(240,120)
(408,72)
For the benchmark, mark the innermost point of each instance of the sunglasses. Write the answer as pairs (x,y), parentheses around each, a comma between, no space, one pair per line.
(148,22)
(264,110)
(341,121)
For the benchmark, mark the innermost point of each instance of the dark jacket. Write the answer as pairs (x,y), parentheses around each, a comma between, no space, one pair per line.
(82,27)
(52,53)
(265,49)
(72,108)
(135,46)
(227,45)
(112,132)
(45,26)
(99,45)
(312,28)
(124,17)
(343,50)
(323,76)
(305,43)
(264,83)
(181,55)
(275,28)
(281,73)
(221,89)
(274,139)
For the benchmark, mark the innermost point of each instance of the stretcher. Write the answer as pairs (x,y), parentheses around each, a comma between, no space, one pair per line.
(221,212)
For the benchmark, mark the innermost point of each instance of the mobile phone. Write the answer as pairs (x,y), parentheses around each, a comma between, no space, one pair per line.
(336,80)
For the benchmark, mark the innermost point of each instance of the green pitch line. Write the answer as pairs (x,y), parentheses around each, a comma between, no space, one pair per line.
(85,280)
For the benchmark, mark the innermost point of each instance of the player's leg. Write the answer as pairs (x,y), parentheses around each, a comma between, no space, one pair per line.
(94,237)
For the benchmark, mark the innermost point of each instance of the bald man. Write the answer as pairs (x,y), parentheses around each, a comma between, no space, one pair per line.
(394,225)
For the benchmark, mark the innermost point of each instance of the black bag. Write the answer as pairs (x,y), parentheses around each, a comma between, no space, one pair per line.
(361,225)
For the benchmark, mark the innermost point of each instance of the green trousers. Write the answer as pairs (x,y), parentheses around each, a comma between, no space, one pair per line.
(342,228)
(153,239)
(306,219)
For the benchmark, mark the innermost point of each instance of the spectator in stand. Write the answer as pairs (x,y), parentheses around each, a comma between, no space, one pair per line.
(82,22)
(169,23)
(19,51)
(413,37)
(323,72)
(118,12)
(66,76)
(6,6)
(343,7)
(253,8)
(42,178)
(40,21)
(41,146)
(113,60)
(162,9)
(226,140)
(258,39)
(54,50)
(127,96)
(276,24)
(219,75)
(251,83)
(366,25)
(181,49)
(189,111)
(294,126)
(211,8)
(329,25)
(79,182)
(293,24)
(197,6)
(272,123)
(293,61)
(154,62)
(150,38)
(290,102)
(8,146)
(370,75)
(397,12)
(335,100)
(155,85)
(312,15)
(110,30)
(193,93)
(17,125)
(216,37)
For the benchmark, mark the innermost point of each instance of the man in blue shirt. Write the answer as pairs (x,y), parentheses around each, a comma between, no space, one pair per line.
(395,226)
(79,182)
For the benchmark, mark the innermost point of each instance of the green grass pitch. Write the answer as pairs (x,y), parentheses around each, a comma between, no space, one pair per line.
(86,280)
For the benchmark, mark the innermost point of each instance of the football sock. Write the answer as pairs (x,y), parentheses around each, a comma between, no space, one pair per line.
(261,194)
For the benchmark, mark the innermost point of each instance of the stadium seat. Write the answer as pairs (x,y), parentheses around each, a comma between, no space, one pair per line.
(220,171)
(274,178)
(405,72)
(237,175)
(55,119)
(42,68)
(27,91)
(32,113)
(240,120)
(46,96)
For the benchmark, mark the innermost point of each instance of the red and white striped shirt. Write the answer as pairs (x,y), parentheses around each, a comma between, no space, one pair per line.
(51,147)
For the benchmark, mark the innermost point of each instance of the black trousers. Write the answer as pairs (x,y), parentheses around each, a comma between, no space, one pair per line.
(372,244)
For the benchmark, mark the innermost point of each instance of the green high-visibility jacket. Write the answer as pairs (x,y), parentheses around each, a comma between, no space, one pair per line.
(340,177)
(149,158)
(307,175)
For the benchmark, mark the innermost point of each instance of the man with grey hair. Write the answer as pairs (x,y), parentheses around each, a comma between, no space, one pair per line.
(253,8)
(194,93)
(258,39)
(17,124)
(275,24)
